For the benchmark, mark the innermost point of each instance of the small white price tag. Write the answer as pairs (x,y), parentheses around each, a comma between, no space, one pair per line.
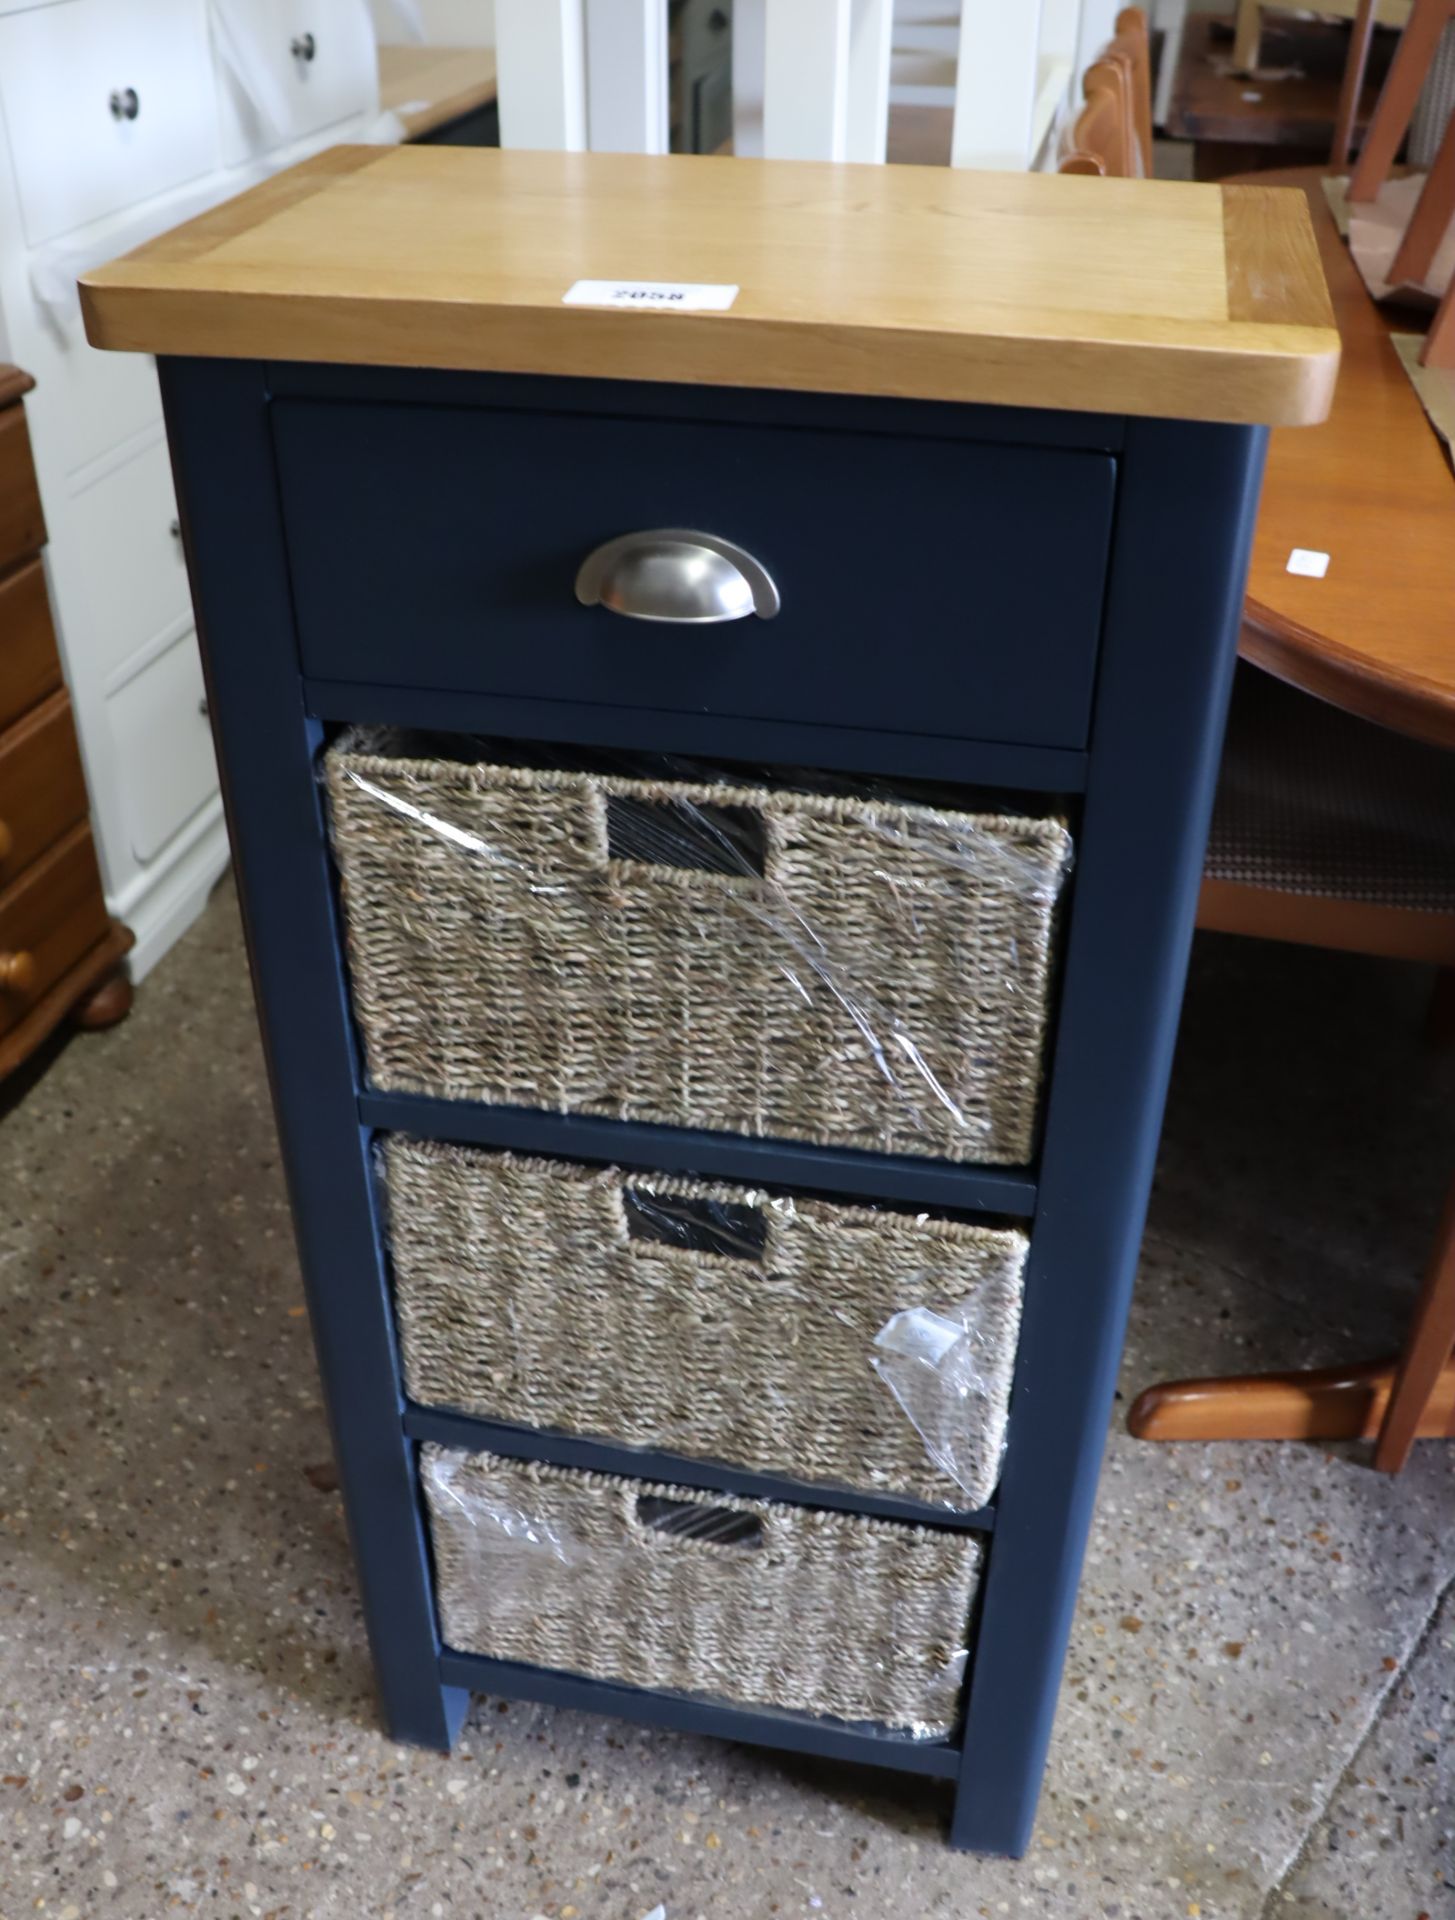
(672,296)
(1305,560)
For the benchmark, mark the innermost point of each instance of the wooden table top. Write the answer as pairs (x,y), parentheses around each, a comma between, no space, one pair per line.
(1373,489)
(1119,296)
(427,87)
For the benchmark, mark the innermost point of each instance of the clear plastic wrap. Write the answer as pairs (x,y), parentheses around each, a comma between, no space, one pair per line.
(724,1323)
(751,1602)
(663,941)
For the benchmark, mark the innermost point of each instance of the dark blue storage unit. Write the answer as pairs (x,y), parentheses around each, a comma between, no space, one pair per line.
(370,543)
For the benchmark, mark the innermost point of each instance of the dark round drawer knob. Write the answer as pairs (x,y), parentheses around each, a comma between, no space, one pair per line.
(124,104)
(17,972)
(7,841)
(303,46)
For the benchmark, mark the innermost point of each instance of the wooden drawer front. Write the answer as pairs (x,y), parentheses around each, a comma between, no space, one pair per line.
(164,747)
(30,667)
(136,572)
(77,156)
(42,787)
(22,524)
(53,914)
(928,586)
(319,64)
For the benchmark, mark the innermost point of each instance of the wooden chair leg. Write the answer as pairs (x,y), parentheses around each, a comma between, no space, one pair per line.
(1430,221)
(1439,347)
(1401,90)
(1425,1374)
(1360,37)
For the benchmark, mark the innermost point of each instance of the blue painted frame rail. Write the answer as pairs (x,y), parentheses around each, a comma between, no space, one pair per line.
(1186,498)
(880,1176)
(467,1431)
(686,1713)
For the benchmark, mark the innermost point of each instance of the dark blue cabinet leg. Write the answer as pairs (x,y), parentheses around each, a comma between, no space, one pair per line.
(1184,525)
(222,455)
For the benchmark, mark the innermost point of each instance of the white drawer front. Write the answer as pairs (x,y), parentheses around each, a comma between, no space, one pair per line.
(164,752)
(107,103)
(135,573)
(307,64)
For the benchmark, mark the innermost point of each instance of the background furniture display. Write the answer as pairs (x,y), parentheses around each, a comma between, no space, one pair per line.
(1435,209)
(1112,135)
(59,949)
(756,421)
(1248,30)
(441,94)
(1286,116)
(120,121)
(1341,837)
(811,81)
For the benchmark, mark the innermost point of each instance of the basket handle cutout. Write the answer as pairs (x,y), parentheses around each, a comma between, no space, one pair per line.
(713,1526)
(679,833)
(695,1225)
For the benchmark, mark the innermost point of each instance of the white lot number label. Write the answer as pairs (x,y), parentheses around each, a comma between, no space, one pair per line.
(673,296)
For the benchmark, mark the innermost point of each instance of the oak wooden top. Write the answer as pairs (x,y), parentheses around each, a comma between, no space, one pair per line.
(427,87)
(1373,489)
(1135,296)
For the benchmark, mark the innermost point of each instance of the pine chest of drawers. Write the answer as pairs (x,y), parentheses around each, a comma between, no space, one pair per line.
(719,1053)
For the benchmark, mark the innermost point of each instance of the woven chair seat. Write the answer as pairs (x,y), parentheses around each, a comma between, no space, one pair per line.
(1312,800)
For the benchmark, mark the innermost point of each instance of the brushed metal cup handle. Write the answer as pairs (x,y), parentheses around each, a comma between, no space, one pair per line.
(674,575)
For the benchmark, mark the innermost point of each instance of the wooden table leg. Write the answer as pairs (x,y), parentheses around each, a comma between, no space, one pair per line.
(1360,36)
(1425,1366)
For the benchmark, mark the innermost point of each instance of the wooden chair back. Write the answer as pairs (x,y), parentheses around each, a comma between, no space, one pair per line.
(1112,134)
(1134,42)
(1098,140)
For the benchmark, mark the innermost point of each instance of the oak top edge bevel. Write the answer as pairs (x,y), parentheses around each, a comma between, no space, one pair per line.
(1142,297)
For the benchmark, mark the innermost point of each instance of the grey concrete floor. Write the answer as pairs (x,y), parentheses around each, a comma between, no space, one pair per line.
(1256,1720)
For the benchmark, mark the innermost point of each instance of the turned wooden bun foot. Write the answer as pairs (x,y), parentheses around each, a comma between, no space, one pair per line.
(110,1002)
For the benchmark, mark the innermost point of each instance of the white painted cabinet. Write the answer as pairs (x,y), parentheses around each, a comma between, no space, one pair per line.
(296,68)
(78,183)
(159,718)
(98,116)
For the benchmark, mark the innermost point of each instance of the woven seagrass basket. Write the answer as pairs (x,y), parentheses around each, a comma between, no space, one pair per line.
(600,944)
(744,1600)
(705,1320)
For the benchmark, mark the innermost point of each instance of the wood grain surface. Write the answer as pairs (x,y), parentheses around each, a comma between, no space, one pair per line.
(427,87)
(1372,487)
(1119,296)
